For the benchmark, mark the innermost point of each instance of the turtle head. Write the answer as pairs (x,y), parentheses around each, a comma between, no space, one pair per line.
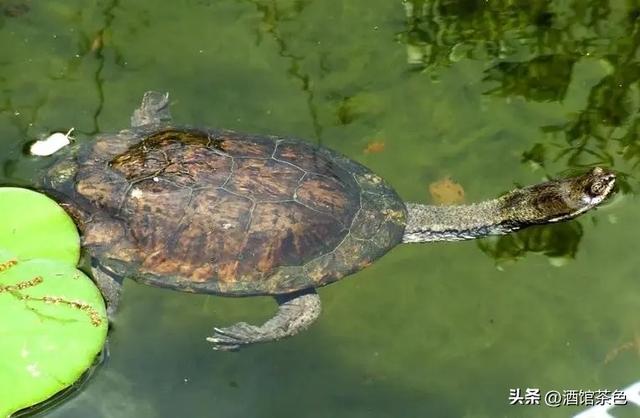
(566,198)
(592,187)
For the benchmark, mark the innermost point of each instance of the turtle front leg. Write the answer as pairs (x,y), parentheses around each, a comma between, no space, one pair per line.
(110,287)
(154,109)
(296,312)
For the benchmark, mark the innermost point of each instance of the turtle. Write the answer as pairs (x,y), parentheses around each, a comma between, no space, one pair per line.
(219,212)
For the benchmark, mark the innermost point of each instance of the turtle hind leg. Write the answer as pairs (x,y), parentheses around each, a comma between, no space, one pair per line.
(110,287)
(154,109)
(296,312)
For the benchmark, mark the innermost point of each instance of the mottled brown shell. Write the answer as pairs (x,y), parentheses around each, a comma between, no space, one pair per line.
(219,212)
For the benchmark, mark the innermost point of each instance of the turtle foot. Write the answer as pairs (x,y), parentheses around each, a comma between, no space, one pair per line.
(296,311)
(153,110)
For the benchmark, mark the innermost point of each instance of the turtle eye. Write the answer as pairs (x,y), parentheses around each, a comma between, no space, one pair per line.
(601,186)
(597,188)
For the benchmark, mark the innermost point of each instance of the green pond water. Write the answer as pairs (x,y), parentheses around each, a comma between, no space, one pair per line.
(493,94)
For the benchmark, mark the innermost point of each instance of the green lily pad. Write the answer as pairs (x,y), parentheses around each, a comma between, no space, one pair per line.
(54,319)
(34,226)
(55,324)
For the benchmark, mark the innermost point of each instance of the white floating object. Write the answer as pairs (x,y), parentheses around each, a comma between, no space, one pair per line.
(51,144)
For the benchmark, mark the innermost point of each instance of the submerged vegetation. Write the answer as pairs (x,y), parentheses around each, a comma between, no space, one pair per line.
(536,50)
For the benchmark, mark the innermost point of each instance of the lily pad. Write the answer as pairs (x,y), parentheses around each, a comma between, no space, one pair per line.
(54,319)
(34,226)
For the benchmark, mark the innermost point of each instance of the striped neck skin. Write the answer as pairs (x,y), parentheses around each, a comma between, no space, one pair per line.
(455,223)
(552,201)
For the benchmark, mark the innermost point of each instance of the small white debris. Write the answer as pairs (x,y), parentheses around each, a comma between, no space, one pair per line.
(136,193)
(156,179)
(558,261)
(52,144)
(226,226)
(33,370)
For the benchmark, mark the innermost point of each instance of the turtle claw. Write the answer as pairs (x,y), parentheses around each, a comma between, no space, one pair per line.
(233,337)
(219,346)
(221,343)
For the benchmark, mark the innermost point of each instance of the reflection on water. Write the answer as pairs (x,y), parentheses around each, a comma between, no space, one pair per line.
(491,93)
(558,244)
(543,78)
(272,14)
(531,48)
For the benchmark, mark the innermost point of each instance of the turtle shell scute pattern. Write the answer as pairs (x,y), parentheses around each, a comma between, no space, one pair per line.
(220,212)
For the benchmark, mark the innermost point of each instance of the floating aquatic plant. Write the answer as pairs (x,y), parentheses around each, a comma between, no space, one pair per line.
(53,317)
